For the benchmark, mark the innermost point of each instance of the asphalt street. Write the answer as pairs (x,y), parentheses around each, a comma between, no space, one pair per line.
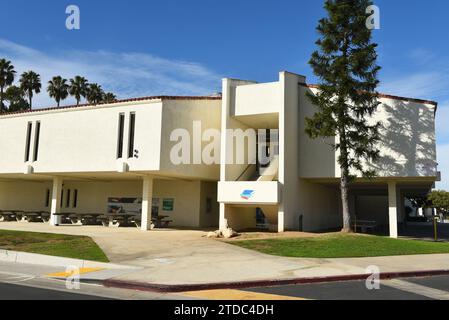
(29,282)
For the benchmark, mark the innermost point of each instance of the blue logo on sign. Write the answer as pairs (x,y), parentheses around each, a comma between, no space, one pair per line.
(247,194)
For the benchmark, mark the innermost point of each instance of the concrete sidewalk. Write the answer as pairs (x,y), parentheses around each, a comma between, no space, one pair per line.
(178,257)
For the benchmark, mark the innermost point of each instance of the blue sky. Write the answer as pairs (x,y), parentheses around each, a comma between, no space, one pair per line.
(138,48)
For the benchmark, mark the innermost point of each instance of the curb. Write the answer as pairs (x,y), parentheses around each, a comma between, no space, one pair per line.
(54,261)
(163,288)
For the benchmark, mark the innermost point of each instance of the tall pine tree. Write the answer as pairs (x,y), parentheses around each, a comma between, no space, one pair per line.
(346,66)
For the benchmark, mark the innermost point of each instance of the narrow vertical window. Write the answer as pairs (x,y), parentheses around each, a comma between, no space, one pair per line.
(121,129)
(132,127)
(36,141)
(62,198)
(75,198)
(47,199)
(28,141)
(67,199)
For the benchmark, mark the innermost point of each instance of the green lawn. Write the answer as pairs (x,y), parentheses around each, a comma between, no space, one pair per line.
(342,246)
(60,245)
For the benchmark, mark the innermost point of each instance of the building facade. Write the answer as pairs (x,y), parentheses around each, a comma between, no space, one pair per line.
(94,158)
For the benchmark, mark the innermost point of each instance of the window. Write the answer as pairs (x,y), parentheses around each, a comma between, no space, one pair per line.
(28,141)
(75,198)
(132,127)
(47,199)
(121,129)
(62,198)
(36,141)
(67,199)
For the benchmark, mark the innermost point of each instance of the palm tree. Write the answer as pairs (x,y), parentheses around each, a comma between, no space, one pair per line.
(78,88)
(58,89)
(7,74)
(94,93)
(30,82)
(109,97)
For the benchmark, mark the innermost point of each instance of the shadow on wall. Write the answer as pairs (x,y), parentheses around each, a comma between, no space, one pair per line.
(408,141)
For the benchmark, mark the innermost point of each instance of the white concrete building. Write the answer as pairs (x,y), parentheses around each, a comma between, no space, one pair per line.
(83,159)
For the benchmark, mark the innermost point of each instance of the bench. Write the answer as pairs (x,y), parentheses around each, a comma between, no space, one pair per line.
(84,218)
(156,222)
(9,215)
(365,226)
(33,216)
(117,219)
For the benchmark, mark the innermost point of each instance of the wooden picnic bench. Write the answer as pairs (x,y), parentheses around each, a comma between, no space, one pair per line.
(85,218)
(9,215)
(157,222)
(117,219)
(365,226)
(33,216)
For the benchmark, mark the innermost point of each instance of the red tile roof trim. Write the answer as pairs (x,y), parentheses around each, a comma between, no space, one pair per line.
(116,102)
(383,95)
(314,86)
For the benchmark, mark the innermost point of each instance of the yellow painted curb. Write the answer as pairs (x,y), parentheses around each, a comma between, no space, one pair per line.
(229,294)
(79,271)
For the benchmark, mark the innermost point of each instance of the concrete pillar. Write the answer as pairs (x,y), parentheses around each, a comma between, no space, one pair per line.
(56,202)
(281,221)
(223,221)
(147,202)
(393,209)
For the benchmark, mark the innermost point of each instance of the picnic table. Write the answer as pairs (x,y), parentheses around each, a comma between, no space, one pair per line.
(85,218)
(80,218)
(365,225)
(117,219)
(157,221)
(9,215)
(28,216)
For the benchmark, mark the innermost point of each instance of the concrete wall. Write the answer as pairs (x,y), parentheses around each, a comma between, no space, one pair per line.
(230,170)
(263,98)
(408,147)
(319,205)
(241,218)
(289,151)
(180,114)
(25,196)
(81,139)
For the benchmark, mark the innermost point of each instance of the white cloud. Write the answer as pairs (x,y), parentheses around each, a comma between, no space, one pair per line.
(443,166)
(127,74)
(425,85)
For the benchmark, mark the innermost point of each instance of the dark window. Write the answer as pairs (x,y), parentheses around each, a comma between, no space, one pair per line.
(47,199)
(75,198)
(62,198)
(208,205)
(28,141)
(132,127)
(121,129)
(36,141)
(67,199)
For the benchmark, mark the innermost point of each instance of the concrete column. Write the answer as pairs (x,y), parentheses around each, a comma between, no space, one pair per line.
(393,209)
(281,221)
(56,202)
(147,203)
(223,221)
